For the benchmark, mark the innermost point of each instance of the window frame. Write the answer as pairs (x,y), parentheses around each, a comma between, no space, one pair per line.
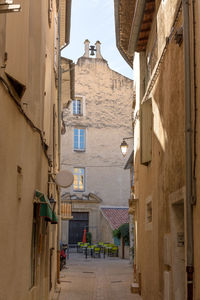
(75,111)
(149,213)
(78,189)
(79,148)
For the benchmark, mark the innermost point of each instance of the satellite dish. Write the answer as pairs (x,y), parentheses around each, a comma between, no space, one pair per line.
(64,178)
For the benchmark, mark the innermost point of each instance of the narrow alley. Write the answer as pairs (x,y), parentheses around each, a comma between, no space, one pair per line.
(96,279)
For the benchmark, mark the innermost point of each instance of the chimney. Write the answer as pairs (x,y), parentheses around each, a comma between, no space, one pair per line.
(87,45)
(98,49)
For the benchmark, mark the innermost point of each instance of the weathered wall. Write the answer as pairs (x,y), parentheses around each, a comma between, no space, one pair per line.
(29,43)
(197,206)
(106,232)
(165,173)
(106,120)
(93,210)
(106,100)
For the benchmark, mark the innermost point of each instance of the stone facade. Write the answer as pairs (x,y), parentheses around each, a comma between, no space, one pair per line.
(106,99)
(29,155)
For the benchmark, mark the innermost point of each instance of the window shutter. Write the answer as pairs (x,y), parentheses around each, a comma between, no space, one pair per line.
(146,132)
(47,101)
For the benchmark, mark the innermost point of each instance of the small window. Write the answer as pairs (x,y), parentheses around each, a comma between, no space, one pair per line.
(149,212)
(79,179)
(79,139)
(77,107)
(50,10)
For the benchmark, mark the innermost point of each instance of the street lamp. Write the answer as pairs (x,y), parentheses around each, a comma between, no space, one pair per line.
(124,145)
(52,202)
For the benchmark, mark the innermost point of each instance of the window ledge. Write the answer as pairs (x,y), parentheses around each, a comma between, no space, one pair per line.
(79,150)
(78,115)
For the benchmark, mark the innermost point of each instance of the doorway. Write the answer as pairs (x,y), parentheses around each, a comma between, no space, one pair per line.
(178,250)
(77,225)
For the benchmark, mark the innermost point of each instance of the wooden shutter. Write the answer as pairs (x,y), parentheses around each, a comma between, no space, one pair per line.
(47,101)
(146,132)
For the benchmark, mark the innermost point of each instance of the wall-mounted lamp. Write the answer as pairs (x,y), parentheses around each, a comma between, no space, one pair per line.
(52,202)
(124,145)
(7,6)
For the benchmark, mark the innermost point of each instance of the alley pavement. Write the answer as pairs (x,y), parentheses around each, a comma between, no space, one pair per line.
(96,279)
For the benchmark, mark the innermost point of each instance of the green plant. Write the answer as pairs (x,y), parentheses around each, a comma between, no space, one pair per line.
(116,233)
(122,231)
(89,237)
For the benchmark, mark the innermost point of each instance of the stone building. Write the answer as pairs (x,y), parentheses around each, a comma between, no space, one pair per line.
(29,145)
(160,39)
(95,122)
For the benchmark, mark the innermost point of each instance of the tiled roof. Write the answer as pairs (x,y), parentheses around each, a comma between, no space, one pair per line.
(116,216)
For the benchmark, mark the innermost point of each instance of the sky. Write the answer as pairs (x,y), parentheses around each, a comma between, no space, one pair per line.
(94,20)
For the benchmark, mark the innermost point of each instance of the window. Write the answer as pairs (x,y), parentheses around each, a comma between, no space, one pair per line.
(79,139)
(50,9)
(79,181)
(149,212)
(146,120)
(77,107)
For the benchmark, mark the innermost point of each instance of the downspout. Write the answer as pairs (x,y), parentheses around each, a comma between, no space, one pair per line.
(188,151)
(59,146)
(59,142)
(68,8)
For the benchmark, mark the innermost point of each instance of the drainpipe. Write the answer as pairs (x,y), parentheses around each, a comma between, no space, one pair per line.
(188,153)
(59,141)
(59,146)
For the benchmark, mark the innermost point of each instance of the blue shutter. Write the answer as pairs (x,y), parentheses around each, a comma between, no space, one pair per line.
(74,107)
(82,139)
(76,138)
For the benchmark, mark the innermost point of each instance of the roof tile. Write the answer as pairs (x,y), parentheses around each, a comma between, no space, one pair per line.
(115,216)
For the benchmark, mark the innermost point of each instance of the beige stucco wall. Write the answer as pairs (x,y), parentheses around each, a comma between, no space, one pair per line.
(29,42)
(106,232)
(197,206)
(165,173)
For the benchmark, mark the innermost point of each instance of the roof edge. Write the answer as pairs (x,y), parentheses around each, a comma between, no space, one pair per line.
(136,25)
(117,34)
(68,21)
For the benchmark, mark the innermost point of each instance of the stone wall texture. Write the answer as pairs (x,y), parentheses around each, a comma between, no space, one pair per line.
(107,99)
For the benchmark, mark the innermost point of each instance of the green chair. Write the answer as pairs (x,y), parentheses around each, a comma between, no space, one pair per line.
(96,252)
(114,251)
(90,250)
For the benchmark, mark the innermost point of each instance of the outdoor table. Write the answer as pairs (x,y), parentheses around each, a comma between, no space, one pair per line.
(108,250)
(85,249)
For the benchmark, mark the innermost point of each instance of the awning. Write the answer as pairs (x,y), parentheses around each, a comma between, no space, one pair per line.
(45,208)
(54,218)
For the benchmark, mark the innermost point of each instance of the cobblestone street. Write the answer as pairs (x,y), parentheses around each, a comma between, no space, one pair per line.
(96,279)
